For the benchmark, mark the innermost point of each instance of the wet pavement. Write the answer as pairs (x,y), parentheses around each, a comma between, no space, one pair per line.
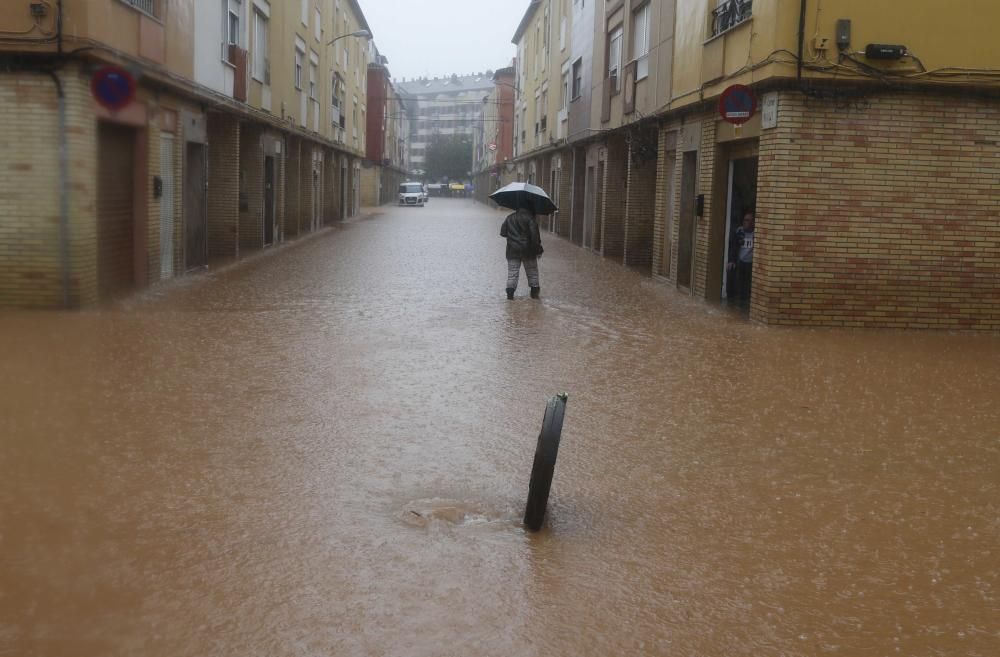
(325,450)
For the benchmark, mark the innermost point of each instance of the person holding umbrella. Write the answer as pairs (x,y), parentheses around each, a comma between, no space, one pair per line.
(524,245)
(524,242)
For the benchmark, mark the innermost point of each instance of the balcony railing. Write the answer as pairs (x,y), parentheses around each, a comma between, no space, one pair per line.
(150,7)
(729,14)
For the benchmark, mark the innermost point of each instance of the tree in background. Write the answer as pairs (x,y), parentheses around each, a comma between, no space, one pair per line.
(449,157)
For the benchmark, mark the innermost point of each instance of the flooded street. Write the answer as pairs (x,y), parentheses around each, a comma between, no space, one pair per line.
(325,451)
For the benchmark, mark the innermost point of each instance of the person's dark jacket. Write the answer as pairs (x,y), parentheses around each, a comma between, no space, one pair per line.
(523,239)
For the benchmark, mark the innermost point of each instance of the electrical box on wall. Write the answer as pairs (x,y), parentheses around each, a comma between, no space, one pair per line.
(844,33)
(884,51)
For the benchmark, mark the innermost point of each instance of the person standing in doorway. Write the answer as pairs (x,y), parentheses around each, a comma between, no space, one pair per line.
(524,245)
(740,262)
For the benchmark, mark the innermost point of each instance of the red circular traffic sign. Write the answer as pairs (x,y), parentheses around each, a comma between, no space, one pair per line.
(738,104)
(113,87)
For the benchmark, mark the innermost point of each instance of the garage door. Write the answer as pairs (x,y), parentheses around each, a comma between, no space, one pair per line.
(115,210)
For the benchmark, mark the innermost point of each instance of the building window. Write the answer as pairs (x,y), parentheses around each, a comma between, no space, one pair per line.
(305,12)
(318,27)
(615,59)
(730,13)
(313,72)
(538,47)
(336,86)
(234,9)
(640,41)
(577,79)
(260,63)
(546,29)
(300,56)
(564,98)
(145,6)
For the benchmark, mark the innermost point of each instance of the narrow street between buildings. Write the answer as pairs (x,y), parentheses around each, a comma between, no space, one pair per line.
(325,450)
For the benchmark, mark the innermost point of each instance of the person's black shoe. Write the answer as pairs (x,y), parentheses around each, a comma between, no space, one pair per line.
(510,293)
(535,292)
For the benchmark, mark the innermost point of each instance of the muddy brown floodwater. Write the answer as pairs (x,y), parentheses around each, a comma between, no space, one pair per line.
(325,451)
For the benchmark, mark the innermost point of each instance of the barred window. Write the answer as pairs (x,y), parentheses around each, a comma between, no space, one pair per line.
(730,13)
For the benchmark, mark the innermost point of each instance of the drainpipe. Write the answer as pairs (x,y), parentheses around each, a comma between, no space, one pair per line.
(63,192)
(63,168)
(802,40)
(59,26)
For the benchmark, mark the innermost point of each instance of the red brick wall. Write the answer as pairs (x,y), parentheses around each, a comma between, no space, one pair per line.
(378,91)
(886,215)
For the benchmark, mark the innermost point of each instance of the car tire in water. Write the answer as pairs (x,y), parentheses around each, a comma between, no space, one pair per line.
(544,465)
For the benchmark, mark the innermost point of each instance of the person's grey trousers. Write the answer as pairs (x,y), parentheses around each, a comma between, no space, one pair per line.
(514,270)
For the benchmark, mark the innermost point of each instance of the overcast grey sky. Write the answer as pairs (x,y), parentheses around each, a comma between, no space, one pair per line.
(441,37)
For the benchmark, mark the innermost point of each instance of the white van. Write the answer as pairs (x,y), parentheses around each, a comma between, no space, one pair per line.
(411,193)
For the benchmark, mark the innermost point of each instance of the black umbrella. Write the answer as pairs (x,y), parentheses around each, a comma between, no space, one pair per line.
(519,195)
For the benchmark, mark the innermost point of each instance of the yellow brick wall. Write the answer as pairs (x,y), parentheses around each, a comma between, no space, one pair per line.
(251,228)
(663,207)
(614,194)
(565,184)
(882,214)
(223,184)
(370,177)
(292,188)
(640,205)
(30,262)
(330,195)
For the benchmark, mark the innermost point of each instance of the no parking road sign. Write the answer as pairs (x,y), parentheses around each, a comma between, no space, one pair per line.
(738,104)
(113,87)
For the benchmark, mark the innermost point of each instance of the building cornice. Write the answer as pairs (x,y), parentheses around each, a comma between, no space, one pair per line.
(526,20)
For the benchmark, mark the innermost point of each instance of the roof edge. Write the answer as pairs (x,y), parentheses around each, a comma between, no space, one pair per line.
(361,16)
(529,12)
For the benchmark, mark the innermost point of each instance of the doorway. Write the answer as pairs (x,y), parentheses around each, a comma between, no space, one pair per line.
(317,193)
(343,190)
(685,240)
(741,196)
(588,211)
(195,207)
(667,245)
(167,206)
(116,210)
(554,193)
(268,200)
(579,196)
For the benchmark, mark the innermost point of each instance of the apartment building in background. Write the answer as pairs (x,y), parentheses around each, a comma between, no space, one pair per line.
(443,107)
(247,128)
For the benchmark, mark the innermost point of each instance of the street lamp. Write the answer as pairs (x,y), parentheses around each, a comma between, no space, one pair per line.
(364,34)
